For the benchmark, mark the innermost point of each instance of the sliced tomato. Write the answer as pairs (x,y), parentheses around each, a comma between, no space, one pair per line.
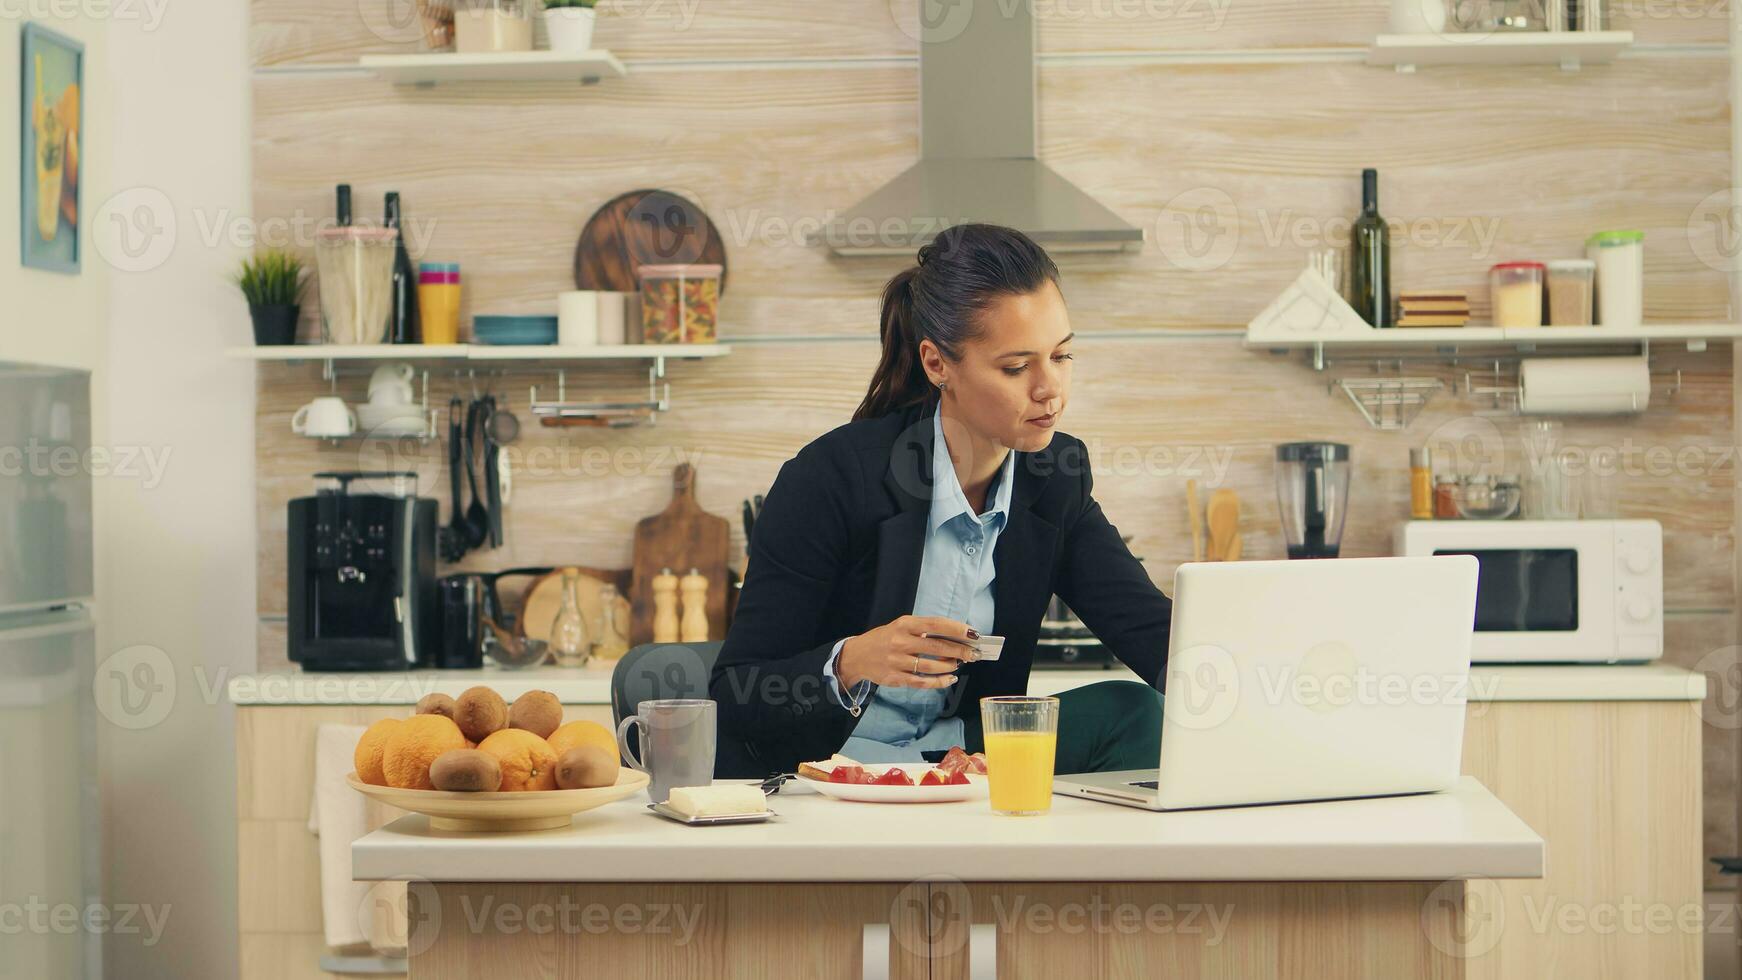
(934,777)
(958,779)
(845,774)
(894,777)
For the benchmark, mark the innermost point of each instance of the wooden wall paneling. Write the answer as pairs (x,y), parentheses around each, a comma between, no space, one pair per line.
(1232,178)
(303,32)
(1153,412)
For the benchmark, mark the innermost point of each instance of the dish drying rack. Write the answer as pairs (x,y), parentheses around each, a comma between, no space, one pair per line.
(1389,404)
(615,415)
(431,421)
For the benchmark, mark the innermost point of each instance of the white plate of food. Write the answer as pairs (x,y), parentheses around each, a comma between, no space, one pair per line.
(957,778)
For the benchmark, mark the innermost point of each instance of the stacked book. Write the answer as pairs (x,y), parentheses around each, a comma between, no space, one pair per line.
(1433,309)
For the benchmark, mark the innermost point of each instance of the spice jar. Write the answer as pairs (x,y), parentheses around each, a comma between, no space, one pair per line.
(1446,498)
(1421,485)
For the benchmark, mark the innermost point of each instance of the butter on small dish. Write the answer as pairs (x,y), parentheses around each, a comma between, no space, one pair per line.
(717,801)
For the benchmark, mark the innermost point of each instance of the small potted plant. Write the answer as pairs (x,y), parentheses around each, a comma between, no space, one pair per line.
(569,24)
(272,282)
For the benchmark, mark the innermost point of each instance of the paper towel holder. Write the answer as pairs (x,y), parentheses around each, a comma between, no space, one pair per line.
(1507,400)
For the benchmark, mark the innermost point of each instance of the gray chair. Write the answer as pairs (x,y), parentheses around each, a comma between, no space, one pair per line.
(655,671)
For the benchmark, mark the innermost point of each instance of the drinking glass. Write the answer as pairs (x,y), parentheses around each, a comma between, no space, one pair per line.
(1021,742)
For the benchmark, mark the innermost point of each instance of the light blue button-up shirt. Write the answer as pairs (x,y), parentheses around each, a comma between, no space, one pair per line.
(955,582)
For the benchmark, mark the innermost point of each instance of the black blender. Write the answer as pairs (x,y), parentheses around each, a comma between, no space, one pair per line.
(1312,488)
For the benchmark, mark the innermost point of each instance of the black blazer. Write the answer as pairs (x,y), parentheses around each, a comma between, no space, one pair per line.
(836,551)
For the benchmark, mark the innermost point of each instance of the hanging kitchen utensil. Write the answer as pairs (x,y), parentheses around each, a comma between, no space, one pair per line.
(453,538)
(682,536)
(644,227)
(477,515)
(503,426)
(492,475)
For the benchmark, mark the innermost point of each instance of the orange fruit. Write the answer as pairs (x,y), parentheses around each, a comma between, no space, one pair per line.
(367,757)
(578,733)
(414,745)
(528,762)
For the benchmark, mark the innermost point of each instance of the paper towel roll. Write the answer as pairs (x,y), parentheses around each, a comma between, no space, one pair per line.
(577,318)
(1584,385)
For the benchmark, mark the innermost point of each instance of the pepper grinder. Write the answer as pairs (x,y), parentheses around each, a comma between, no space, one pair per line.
(665,607)
(695,607)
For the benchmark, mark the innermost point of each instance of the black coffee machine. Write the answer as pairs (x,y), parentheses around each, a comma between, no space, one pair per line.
(362,574)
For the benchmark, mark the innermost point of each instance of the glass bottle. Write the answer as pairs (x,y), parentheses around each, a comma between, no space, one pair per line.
(613,641)
(1370,253)
(568,632)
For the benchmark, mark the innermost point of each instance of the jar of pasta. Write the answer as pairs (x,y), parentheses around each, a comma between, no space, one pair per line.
(679,303)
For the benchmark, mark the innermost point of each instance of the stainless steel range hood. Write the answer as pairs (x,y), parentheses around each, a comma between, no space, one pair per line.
(977,147)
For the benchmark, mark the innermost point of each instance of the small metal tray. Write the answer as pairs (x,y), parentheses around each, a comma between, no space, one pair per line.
(674,816)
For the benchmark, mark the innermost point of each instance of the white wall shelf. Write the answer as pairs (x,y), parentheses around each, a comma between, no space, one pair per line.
(585,67)
(1569,49)
(1695,335)
(480,352)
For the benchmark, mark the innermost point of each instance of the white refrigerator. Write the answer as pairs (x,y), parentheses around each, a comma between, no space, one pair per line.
(49,832)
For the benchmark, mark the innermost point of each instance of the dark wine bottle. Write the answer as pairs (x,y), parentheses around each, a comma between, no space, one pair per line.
(344,211)
(403,325)
(1370,258)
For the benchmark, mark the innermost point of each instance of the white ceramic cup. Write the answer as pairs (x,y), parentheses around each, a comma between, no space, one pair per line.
(613,315)
(391,384)
(1418,16)
(327,417)
(577,318)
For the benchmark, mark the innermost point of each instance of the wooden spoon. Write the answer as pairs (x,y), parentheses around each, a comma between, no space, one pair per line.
(1224,518)
(1196,513)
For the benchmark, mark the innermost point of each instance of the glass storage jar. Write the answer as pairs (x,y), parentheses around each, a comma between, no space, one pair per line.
(491,26)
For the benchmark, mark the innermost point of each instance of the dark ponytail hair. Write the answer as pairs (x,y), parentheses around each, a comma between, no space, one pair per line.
(960,273)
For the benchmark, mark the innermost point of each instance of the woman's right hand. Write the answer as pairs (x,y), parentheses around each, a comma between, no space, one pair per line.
(897,654)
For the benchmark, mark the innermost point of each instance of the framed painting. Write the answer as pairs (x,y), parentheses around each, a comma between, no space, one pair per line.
(52,87)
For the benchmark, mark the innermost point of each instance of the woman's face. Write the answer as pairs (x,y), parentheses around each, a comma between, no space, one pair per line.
(1013,379)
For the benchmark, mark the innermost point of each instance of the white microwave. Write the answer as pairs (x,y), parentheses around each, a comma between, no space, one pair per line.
(1556,591)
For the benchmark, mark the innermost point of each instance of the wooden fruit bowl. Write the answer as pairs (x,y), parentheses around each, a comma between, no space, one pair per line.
(503,812)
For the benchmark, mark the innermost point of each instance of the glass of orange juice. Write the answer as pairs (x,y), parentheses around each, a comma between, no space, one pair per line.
(1021,740)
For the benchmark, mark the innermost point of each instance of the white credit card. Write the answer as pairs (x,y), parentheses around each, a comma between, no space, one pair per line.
(987,646)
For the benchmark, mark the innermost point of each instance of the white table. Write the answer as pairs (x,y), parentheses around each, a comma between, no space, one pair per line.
(1378,885)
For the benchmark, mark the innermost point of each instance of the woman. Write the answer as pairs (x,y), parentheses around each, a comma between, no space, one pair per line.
(950,505)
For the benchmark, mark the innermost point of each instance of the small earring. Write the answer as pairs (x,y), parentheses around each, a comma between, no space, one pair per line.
(942,386)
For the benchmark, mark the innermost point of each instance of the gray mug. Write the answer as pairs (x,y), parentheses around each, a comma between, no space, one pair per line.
(677,744)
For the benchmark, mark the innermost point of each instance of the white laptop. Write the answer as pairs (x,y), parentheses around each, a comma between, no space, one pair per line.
(1290,681)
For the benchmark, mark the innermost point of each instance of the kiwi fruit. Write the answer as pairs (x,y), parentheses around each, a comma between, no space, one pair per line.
(466,771)
(480,713)
(436,704)
(538,712)
(585,767)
